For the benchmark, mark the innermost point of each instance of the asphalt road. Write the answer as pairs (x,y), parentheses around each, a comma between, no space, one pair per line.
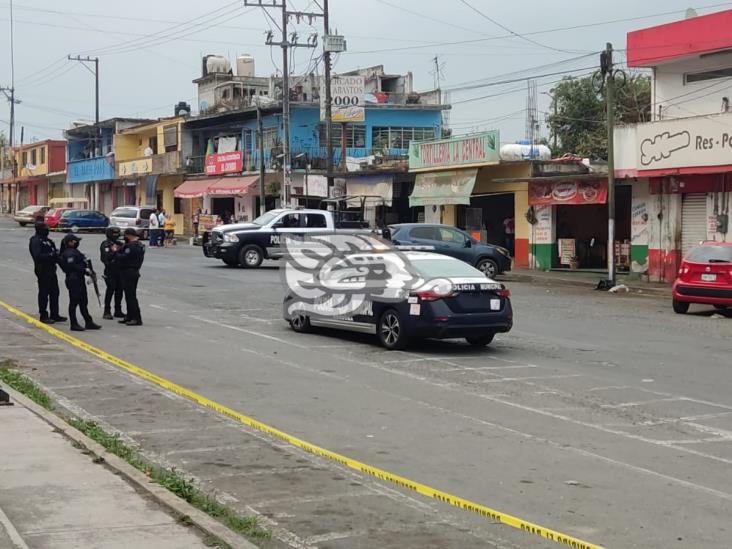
(604,416)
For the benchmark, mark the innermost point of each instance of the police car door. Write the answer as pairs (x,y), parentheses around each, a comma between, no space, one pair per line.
(287,224)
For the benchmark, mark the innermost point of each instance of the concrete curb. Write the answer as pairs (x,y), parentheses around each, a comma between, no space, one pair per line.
(158,493)
(634,289)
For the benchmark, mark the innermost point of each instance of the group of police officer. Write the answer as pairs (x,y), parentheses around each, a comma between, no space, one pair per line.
(122,261)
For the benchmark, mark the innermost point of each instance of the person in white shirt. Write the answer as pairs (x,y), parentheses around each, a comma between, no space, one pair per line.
(161,227)
(154,228)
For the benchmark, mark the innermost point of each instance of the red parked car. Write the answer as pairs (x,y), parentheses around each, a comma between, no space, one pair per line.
(705,277)
(53,215)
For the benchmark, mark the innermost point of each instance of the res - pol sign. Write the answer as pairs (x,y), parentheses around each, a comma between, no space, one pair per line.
(347,99)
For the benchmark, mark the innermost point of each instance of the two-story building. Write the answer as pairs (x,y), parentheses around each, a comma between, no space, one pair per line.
(37,166)
(370,157)
(90,168)
(680,163)
(150,161)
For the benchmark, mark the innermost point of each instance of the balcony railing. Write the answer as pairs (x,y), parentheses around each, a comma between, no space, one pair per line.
(169,162)
(316,157)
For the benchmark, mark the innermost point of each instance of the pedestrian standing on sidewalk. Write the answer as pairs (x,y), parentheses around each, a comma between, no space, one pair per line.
(112,279)
(509,230)
(161,230)
(196,219)
(129,260)
(169,230)
(154,225)
(45,256)
(76,267)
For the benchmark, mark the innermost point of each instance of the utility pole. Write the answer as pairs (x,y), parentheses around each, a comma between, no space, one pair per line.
(607,70)
(286,43)
(328,103)
(10,95)
(97,129)
(260,144)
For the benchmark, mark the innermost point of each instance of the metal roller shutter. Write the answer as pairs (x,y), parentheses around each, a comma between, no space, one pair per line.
(693,220)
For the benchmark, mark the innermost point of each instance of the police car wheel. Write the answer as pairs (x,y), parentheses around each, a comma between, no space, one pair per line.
(251,256)
(488,267)
(390,330)
(300,323)
(481,341)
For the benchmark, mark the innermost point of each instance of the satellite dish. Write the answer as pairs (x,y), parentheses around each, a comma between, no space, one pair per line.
(691,13)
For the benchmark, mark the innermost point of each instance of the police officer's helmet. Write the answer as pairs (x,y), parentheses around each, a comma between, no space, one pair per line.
(70,238)
(113,233)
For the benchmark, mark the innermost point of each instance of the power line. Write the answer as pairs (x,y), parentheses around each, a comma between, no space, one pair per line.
(534,33)
(428,18)
(520,79)
(504,27)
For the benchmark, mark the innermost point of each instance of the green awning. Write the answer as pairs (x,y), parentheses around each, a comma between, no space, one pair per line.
(444,187)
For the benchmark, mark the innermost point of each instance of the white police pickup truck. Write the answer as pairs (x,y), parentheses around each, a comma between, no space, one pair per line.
(248,244)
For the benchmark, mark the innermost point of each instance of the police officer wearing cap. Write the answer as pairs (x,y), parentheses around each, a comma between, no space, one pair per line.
(108,249)
(129,260)
(74,264)
(44,254)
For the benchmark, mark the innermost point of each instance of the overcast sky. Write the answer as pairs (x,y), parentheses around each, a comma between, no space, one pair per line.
(144,76)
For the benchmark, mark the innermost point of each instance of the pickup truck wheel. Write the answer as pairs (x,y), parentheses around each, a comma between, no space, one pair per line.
(391,330)
(488,267)
(251,256)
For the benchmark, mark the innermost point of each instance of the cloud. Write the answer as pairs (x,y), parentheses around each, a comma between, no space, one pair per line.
(662,146)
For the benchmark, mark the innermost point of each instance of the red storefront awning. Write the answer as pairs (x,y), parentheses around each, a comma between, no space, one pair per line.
(232,185)
(192,188)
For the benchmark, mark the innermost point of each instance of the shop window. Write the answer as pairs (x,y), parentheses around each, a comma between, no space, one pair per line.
(177,205)
(170,138)
(355,135)
(399,137)
(269,138)
(707,75)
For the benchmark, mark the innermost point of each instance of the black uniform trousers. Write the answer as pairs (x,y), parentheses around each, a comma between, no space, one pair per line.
(77,299)
(113,280)
(129,278)
(47,292)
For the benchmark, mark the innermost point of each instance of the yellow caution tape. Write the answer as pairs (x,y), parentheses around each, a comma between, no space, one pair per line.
(467,505)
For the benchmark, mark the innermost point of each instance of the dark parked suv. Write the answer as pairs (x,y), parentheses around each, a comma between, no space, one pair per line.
(491,260)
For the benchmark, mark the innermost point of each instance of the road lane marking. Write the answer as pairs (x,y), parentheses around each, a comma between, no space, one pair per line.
(405,483)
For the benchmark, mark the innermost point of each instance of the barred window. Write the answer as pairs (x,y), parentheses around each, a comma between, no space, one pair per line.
(355,135)
(399,137)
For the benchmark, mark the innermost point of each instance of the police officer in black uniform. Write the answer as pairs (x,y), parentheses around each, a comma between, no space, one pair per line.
(75,265)
(44,254)
(129,260)
(108,249)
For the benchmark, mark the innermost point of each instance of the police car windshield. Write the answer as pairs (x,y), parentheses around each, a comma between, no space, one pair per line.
(266,218)
(436,268)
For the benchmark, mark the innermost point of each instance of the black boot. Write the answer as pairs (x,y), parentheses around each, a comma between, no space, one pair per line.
(119,314)
(46,320)
(75,327)
(89,325)
(134,323)
(107,315)
(59,318)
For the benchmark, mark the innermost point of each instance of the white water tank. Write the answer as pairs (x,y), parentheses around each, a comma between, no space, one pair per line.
(217,64)
(245,65)
(523,150)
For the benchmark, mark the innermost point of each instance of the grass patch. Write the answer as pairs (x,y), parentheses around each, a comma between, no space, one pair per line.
(174,481)
(23,385)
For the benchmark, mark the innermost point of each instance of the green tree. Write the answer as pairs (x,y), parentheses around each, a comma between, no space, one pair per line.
(580,122)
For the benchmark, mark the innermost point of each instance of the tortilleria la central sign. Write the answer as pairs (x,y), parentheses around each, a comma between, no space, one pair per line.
(469,150)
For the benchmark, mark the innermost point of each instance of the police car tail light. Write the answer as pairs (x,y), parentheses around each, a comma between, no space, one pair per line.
(438,290)
(430,295)
(504,292)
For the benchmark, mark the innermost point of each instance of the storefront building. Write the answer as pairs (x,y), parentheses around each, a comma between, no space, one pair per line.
(34,162)
(679,163)
(150,165)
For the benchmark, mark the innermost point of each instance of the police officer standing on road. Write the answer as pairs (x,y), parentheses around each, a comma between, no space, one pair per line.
(44,254)
(74,264)
(129,260)
(112,279)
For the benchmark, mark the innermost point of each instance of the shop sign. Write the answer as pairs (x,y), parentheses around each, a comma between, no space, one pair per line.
(346,99)
(221,163)
(567,192)
(135,167)
(458,151)
(542,230)
(208,222)
(684,143)
(566,251)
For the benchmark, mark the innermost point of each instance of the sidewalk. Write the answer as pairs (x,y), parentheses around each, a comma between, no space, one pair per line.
(584,279)
(55,496)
